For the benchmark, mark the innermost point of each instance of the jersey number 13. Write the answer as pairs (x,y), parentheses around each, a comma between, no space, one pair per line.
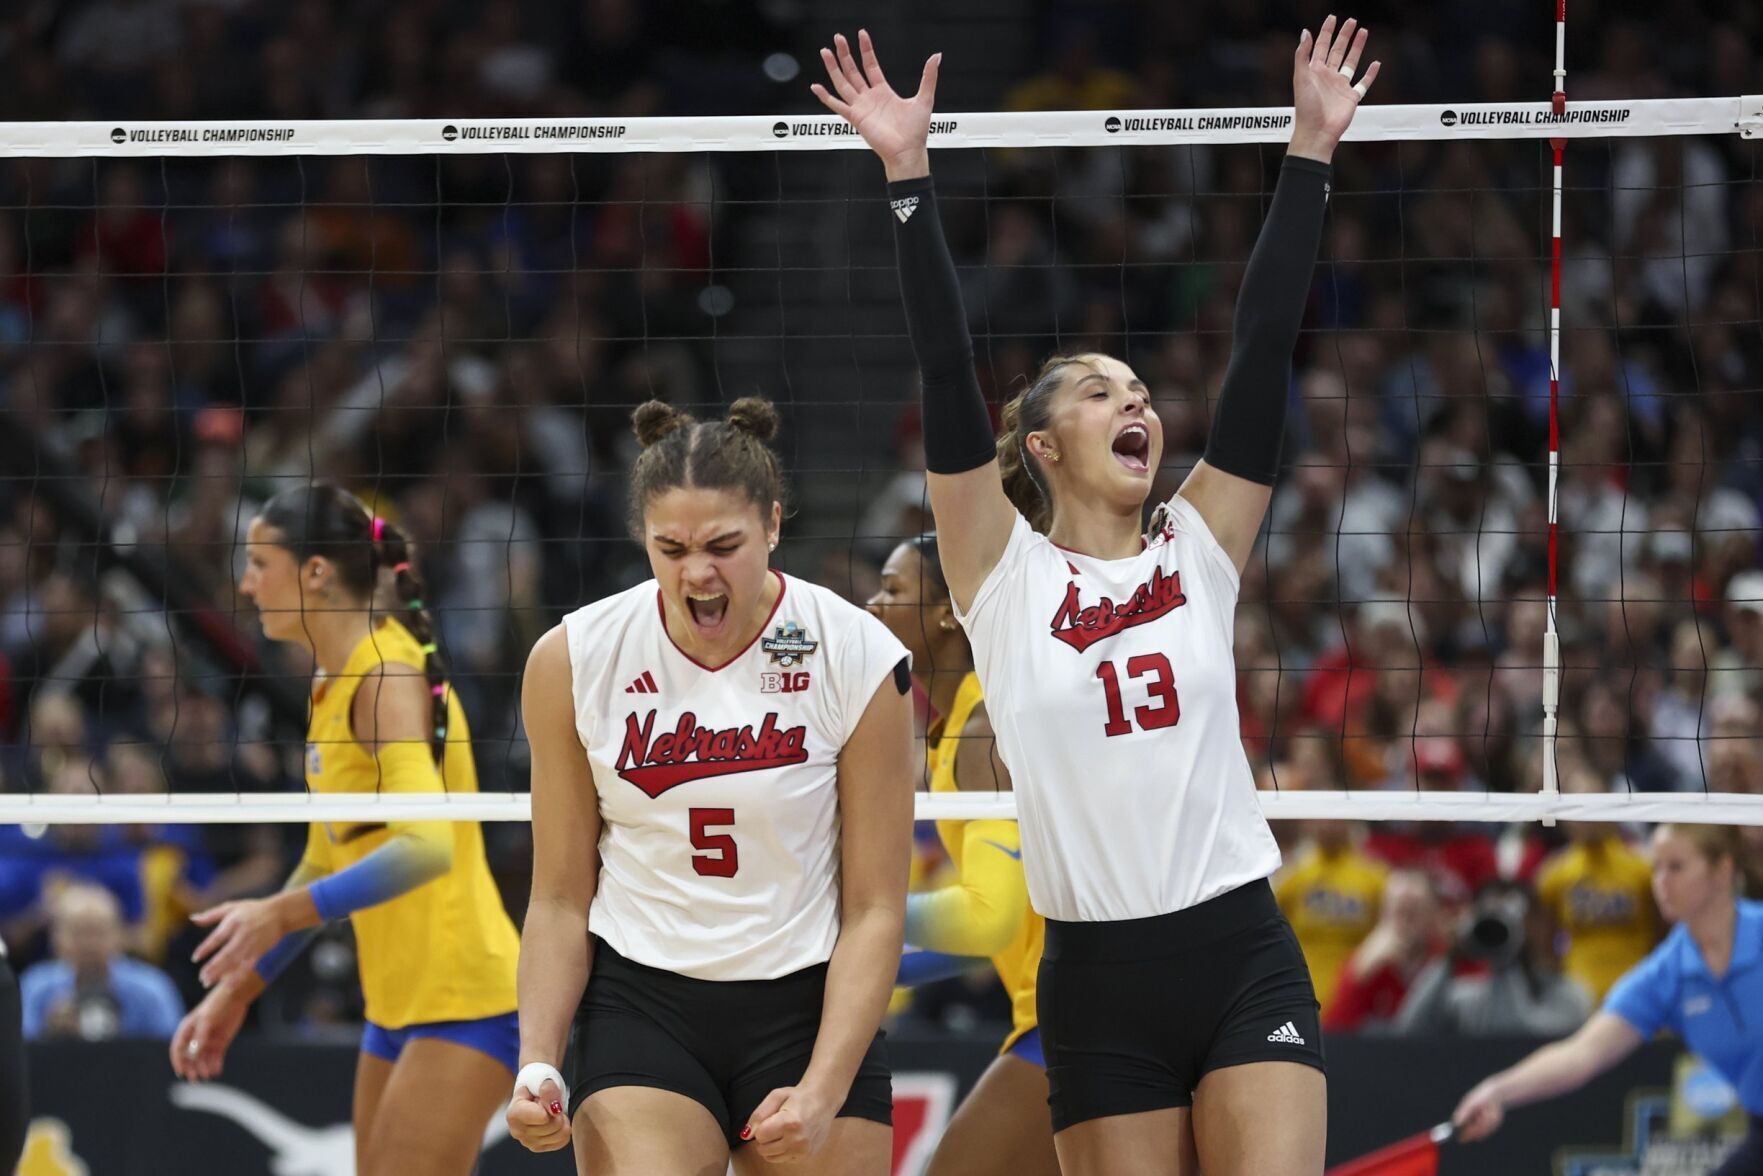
(1163,710)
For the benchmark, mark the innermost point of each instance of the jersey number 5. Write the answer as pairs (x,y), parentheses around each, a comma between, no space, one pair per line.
(1161,688)
(723,859)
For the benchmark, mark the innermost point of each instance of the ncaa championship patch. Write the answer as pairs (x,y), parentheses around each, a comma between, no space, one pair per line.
(788,644)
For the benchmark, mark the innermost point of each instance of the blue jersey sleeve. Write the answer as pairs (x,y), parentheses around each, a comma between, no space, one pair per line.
(1646,995)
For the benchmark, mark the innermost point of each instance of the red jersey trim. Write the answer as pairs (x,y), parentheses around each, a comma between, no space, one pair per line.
(661,609)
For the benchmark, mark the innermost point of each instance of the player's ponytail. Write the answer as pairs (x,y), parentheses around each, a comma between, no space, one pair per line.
(1025,482)
(733,454)
(326,521)
(395,554)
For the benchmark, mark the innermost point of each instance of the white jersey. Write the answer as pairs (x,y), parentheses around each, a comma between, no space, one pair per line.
(718,787)
(1111,685)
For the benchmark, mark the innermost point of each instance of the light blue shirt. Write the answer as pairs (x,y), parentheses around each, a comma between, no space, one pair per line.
(1721,1020)
(147,1002)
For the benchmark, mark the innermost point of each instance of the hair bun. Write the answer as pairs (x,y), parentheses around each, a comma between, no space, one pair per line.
(654,419)
(755,416)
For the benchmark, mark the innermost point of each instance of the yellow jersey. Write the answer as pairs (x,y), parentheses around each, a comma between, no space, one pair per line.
(1018,963)
(445,951)
(1331,897)
(1601,894)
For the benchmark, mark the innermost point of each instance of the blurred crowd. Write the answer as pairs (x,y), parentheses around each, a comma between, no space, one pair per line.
(460,339)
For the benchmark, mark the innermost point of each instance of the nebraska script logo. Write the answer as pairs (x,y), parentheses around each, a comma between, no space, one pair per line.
(1081,628)
(690,752)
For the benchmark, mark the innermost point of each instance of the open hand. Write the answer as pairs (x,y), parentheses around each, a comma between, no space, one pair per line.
(895,128)
(1324,96)
(198,1047)
(243,932)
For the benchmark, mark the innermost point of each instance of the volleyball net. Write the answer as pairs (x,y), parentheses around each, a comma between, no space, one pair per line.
(454,318)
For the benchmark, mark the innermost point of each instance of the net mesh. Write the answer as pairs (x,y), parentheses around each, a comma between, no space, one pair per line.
(454,320)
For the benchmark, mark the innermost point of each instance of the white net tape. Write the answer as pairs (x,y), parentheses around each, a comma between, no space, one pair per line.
(1706,808)
(1266,124)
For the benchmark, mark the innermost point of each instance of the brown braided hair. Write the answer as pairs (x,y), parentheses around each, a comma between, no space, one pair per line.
(324,519)
(681,451)
(1030,411)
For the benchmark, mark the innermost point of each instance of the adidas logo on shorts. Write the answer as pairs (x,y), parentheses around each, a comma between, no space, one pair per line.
(905,207)
(1286,1034)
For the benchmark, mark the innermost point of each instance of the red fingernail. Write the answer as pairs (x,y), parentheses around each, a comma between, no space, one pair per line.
(556,1108)
(747,1131)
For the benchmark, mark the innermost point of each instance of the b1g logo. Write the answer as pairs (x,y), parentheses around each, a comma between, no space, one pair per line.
(776,682)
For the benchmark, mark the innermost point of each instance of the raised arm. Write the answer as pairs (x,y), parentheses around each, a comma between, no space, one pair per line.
(1232,484)
(974,516)
(555,952)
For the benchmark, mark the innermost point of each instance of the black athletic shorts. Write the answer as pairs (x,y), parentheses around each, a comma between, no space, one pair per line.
(725,1044)
(1135,1012)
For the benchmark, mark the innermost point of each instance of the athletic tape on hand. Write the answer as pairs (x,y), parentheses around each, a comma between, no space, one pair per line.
(533,1075)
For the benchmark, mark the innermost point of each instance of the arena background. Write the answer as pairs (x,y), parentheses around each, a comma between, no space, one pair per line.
(461,338)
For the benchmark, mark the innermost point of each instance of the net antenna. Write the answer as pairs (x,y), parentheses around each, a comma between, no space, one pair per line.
(1553,121)
(1551,636)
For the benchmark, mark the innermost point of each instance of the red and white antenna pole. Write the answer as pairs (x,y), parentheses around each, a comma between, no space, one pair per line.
(1551,637)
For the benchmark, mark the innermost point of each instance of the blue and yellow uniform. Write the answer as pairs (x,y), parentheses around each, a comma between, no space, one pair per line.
(1601,894)
(1331,896)
(438,955)
(986,911)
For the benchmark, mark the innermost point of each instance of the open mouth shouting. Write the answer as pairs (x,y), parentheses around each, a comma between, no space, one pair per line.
(709,610)
(1132,448)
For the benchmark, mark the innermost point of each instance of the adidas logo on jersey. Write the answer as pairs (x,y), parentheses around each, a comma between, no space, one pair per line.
(905,207)
(1286,1034)
(643,685)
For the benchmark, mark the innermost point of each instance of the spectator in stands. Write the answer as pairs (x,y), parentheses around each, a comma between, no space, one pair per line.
(91,989)
(1523,992)
(1682,716)
(1459,857)
(1623,758)
(1730,751)
(1738,669)
(1330,893)
(1599,892)
(1077,80)
(1372,985)
(175,866)
(56,733)
(34,868)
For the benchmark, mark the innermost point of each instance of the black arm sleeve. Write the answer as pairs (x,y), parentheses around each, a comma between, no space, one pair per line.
(1249,424)
(957,429)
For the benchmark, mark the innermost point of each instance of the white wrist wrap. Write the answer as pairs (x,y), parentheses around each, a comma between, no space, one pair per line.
(533,1075)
